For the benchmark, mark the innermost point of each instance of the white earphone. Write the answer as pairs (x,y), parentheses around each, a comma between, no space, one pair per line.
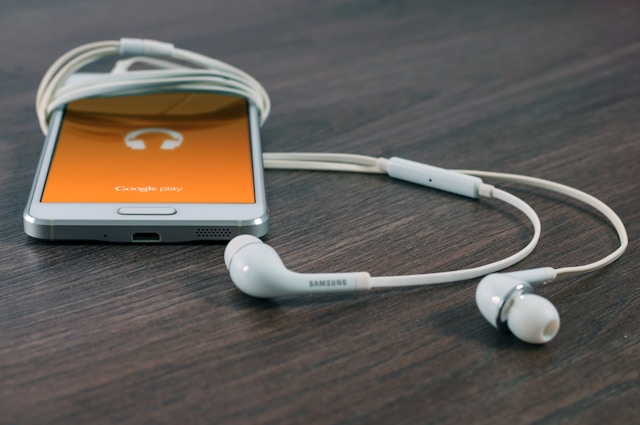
(506,300)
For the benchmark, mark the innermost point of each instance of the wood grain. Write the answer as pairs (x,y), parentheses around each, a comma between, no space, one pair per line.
(94,333)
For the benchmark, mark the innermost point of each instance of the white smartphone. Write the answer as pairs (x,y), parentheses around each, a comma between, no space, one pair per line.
(163,167)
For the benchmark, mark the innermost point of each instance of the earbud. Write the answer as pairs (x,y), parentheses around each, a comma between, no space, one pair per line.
(507,302)
(257,270)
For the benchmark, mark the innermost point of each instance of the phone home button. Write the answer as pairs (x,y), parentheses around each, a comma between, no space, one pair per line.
(146,211)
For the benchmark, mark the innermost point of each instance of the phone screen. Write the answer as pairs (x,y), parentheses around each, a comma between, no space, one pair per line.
(178,147)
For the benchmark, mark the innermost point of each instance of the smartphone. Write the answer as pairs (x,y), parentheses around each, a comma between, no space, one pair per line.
(160,167)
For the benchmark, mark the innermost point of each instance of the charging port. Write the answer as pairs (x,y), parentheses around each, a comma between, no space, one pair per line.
(145,237)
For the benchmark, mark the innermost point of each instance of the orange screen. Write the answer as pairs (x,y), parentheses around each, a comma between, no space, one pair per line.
(181,147)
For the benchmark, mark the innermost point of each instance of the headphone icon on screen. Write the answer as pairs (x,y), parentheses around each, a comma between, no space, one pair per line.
(133,141)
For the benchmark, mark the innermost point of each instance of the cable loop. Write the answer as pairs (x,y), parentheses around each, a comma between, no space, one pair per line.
(206,73)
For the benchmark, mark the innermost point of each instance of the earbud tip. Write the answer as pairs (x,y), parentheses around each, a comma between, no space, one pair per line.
(533,319)
(236,244)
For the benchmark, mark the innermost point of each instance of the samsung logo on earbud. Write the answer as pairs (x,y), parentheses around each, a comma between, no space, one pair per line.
(327,283)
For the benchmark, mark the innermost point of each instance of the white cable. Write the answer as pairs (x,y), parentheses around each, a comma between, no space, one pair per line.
(213,75)
(124,65)
(147,81)
(204,74)
(62,68)
(579,195)
(471,273)
(365,164)
(322,162)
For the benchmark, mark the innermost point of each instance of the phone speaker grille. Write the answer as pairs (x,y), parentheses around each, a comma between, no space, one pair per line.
(213,233)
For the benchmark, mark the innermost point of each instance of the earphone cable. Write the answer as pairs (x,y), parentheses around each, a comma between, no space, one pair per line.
(367,164)
(208,74)
(212,74)
(578,195)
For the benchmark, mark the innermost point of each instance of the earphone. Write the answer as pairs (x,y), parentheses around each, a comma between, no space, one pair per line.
(506,300)
(133,140)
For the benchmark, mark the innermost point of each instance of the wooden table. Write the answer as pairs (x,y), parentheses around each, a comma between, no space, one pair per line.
(133,334)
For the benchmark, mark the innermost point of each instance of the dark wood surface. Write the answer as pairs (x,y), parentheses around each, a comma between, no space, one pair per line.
(158,333)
